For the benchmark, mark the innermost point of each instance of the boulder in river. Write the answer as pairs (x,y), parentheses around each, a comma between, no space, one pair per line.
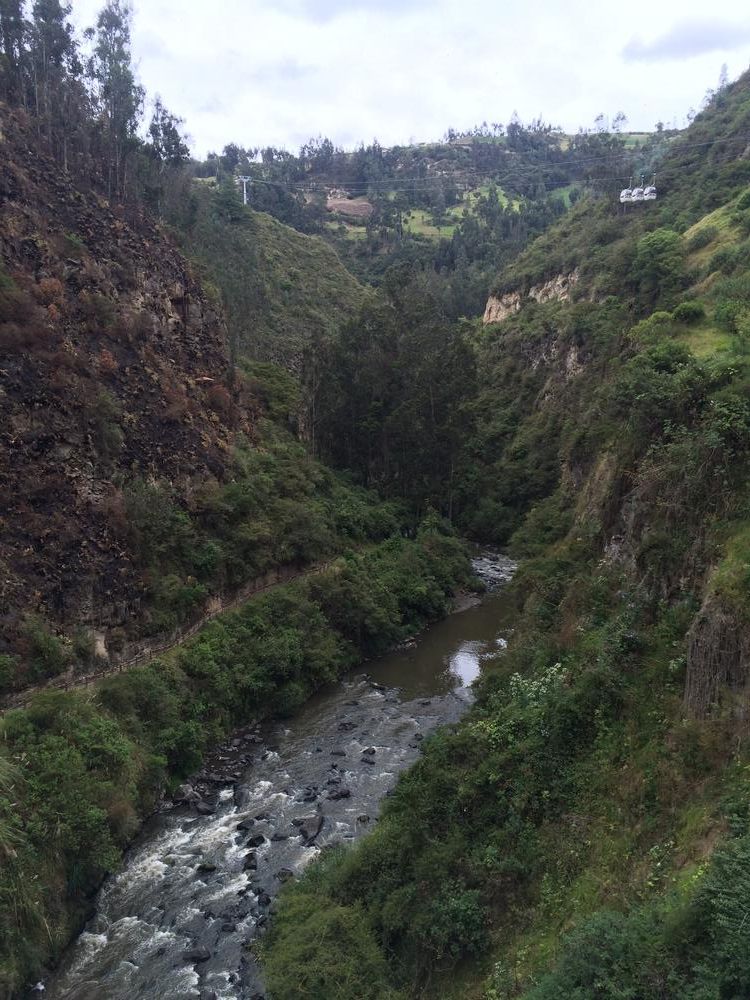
(338,752)
(256,840)
(186,793)
(206,867)
(284,874)
(250,864)
(246,824)
(204,808)
(197,954)
(311,827)
(213,778)
(339,793)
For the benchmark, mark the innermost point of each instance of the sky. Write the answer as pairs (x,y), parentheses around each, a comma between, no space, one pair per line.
(278,72)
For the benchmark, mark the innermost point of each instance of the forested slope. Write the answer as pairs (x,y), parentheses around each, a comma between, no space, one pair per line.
(147,475)
(282,290)
(585,831)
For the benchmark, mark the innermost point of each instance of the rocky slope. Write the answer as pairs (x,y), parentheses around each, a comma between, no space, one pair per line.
(112,367)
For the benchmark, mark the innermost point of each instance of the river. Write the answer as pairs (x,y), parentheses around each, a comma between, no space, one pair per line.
(196,886)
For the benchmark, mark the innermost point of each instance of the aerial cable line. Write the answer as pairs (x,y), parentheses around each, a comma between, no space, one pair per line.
(564,166)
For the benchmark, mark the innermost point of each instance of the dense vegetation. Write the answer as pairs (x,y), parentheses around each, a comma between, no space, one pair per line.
(280,288)
(583,833)
(78,771)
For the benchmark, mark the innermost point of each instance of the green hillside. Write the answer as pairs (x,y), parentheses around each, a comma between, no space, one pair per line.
(585,831)
(281,288)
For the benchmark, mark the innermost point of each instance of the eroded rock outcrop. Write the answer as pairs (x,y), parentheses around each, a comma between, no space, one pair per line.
(718,660)
(557,289)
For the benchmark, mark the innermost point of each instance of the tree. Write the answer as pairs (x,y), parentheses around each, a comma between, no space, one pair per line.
(118,96)
(659,266)
(13,31)
(619,121)
(54,63)
(168,145)
(167,149)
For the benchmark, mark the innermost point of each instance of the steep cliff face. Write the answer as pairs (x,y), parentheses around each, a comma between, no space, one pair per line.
(112,366)
(557,289)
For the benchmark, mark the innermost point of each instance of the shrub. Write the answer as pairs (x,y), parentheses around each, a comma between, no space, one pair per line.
(50,291)
(106,362)
(103,414)
(725,260)
(325,950)
(689,312)
(701,238)
(219,399)
(659,266)
(8,672)
(48,655)
(654,328)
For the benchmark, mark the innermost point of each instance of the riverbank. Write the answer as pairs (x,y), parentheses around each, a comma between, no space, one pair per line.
(199,882)
(84,767)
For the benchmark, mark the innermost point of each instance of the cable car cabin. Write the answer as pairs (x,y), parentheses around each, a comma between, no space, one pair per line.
(649,193)
(638,194)
(626,196)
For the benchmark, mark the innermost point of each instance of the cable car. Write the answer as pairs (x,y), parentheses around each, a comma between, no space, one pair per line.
(626,196)
(649,193)
(638,194)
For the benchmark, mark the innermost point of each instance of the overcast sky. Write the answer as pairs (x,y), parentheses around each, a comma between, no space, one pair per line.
(277,72)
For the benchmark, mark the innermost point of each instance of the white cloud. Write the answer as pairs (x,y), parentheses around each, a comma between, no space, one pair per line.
(692,38)
(276,72)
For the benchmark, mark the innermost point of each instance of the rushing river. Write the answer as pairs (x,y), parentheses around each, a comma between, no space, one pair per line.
(196,887)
